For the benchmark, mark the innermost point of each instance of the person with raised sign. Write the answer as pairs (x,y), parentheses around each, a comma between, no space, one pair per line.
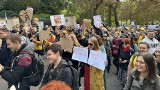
(93,78)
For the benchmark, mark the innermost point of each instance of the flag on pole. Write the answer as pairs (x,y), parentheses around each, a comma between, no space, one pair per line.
(6,20)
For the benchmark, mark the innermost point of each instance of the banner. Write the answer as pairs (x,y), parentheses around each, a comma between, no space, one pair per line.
(97,21)
(57,20)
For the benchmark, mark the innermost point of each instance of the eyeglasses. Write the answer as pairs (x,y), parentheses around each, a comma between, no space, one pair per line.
(90,44)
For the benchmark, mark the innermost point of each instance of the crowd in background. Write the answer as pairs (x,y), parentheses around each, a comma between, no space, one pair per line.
(130,49)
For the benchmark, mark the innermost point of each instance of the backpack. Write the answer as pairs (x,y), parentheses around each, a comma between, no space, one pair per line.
(35,72)
(75,78)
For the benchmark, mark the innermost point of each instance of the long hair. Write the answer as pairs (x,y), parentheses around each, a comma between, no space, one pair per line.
(96,44)
(55,85)
(100,41)
(150,64)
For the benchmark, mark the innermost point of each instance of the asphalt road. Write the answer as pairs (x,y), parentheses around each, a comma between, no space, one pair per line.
(112,82)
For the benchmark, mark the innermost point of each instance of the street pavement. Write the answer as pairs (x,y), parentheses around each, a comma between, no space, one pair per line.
(112,82)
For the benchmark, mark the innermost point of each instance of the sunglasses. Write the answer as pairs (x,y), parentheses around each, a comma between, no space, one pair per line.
(90,44)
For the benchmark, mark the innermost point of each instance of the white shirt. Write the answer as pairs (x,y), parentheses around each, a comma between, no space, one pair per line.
(152,43)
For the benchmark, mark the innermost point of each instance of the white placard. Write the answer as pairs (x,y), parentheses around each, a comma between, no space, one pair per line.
(97,21)
(132,23)
(57,20)
(97,59)
(152,26)
(80,54)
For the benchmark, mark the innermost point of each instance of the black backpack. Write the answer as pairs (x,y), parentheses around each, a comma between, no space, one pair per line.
(35,72)
(75,78)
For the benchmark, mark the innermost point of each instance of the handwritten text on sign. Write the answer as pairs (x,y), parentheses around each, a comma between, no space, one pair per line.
(80,54)
(97,59)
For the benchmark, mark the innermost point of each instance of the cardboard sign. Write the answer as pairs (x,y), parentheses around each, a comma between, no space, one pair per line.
(66,44)
(80,54)
(11,22)
(70,21)
(26,15)
(87,23)
(44,34)
(97,21)
(57,20)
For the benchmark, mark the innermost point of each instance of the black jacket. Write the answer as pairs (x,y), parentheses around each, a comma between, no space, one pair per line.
(15,75)
(56,74)
(6,54)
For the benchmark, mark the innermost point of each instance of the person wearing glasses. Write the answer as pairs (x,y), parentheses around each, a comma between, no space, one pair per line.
(93,77)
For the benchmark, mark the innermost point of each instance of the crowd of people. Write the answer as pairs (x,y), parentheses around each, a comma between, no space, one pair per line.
(134,52)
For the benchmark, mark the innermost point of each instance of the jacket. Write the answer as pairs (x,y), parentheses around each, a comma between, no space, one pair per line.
(15,75)
(6,54)
(133,83)
(125,55)
(54,74)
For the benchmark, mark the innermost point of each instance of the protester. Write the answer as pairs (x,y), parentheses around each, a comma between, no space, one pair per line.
(150,39)
(6,54)
(144,77)
(116,50)
(141,35)
(103,50)
(125,54)
(143,48)
(157,53)
(59,68)
(14,76)
(96,75)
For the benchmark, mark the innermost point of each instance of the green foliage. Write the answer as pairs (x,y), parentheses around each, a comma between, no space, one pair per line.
(8,13)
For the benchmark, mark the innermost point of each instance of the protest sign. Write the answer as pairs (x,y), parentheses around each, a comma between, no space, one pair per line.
(132,23)
(97,59)
(26,15)
(97,21)
(57,20)
(152,26)
(66,44)
(77,26)
(11,22)
(80,54)
(44,34)
(41,24)
(87,23)
(70,21)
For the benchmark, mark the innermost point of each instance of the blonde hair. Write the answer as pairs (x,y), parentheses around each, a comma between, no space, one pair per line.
(74,39)
(95,42)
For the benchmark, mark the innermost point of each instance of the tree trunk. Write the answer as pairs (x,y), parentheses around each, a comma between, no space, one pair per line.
(110,14)
(116,15)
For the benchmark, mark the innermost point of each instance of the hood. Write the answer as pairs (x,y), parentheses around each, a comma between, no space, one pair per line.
(66,63)
(29,48)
